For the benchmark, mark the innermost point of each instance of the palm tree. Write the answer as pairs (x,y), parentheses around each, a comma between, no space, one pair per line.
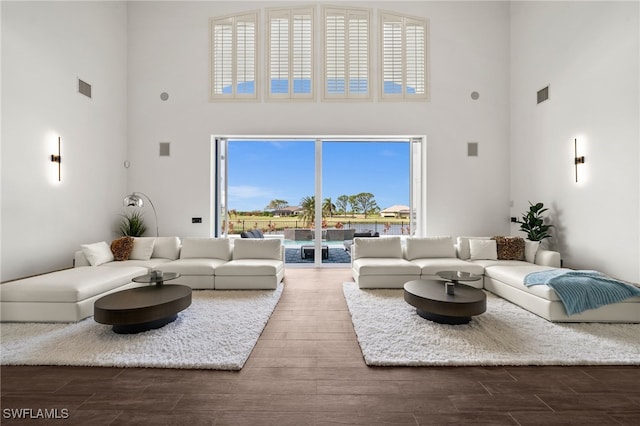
(328,207)
(308,205)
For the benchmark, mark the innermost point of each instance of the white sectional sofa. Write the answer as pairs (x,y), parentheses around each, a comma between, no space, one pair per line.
(208,263)
(203,263)
(63,296)
(387,263)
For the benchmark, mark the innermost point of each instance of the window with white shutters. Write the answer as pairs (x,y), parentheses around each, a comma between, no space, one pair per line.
(403,47)
(290,54)
(234,57)
(346,54)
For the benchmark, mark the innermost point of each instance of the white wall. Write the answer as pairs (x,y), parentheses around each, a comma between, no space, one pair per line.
(46,46)
(588,52)
(469,51)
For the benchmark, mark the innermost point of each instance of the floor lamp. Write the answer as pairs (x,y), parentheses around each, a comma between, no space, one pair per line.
(135,200)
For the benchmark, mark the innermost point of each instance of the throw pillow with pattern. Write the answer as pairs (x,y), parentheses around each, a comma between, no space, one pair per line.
(510,248)
(121,248)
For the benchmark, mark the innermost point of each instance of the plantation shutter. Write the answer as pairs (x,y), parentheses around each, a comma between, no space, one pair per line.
(233,57)
(416,40)
(222,57)
(302,52)
(290,67)
(359,69)
(279,53)
(246,55)
(404,57)
(392,55)
(346,53)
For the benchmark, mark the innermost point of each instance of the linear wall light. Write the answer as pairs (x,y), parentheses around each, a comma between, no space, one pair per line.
(578,160)
(58,159)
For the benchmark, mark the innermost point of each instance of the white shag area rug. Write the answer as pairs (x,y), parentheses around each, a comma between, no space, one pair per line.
(391,333)
(218,331)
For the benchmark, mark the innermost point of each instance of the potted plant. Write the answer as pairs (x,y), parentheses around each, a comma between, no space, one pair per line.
(533,223)
(132,224)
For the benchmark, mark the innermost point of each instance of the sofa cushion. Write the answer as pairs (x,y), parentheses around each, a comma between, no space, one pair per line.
(487,263)
(430,247)
(97,253)
(257,249)
(462,246)
(142,248)
(250,267)
(147,264)
(530,250)
(214,248)
(68,285)
(121,248)
(483,249)
(390,247)
(192,266)
(433,266)
(513,274)
(385,266)
(510,248)
(166,248)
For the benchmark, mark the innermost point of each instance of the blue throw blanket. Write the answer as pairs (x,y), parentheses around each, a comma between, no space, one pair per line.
(582,290)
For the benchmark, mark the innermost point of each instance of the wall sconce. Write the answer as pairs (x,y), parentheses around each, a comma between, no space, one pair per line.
(57,159)
(578,160)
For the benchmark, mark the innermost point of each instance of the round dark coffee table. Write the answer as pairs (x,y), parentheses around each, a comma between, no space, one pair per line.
(142,308)
(432,302)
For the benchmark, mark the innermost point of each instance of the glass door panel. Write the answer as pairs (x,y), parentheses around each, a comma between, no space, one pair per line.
(365,191)
(271,191)
(317,194)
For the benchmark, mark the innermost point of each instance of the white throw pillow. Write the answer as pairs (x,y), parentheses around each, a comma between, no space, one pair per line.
(205,248)
(166,248)
(97,253)
(142,248)
(530,250)
(430,247)
(377,247)
(256,248)
(463,246)
(483,249)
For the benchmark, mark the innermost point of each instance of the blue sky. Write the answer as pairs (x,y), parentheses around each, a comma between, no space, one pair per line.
(262,171)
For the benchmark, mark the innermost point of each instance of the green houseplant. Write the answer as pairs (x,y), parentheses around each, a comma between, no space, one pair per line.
(533,223)
(132,224)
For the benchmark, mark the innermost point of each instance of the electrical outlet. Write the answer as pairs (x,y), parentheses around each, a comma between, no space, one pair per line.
(196,220)
(514,219)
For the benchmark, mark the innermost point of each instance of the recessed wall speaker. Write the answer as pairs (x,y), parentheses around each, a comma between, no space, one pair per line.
(165,149)
(164,96)
(472,149)
(543,94)
(475,95)
(84,88)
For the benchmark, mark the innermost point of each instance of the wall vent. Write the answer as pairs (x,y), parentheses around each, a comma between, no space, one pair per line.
(543,94)
(84,88)
(472,149)
(165,149)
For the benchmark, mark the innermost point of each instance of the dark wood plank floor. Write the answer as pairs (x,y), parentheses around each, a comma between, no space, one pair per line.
(307,369)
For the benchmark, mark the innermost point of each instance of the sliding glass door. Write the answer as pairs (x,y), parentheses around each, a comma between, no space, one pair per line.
(317,193)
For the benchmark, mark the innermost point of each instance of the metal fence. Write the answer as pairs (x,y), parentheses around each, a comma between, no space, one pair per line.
(277,227)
